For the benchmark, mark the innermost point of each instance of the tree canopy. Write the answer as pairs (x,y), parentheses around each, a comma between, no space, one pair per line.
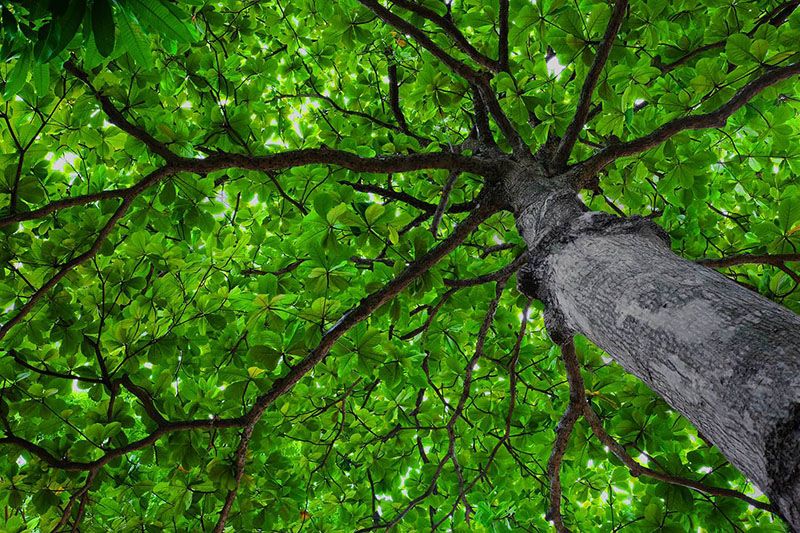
(252,276)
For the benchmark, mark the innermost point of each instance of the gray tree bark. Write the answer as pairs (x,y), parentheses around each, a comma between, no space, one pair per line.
(723,356)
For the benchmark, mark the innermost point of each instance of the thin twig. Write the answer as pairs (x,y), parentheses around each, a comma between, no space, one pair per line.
(714,119)
(745,259)
(440,209)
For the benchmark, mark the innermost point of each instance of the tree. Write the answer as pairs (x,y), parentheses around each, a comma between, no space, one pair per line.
(353,265)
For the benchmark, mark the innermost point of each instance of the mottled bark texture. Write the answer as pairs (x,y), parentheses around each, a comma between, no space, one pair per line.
(723,356)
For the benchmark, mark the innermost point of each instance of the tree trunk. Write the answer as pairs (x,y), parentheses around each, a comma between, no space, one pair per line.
(723,356)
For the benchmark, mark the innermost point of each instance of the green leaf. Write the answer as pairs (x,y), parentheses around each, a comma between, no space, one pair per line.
(57,34)
(653,513)
(759,49)
(103,26)
(737,49)
(160,16)
(267,356)
(789,213)
(40,75)
(17,76)
(373,213)
(135,42)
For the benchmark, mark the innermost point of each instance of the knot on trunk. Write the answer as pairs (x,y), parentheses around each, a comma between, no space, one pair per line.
(529,283)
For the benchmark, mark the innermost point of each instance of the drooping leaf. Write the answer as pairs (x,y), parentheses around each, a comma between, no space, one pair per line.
(57,34)
(136,43)
(164,18)
(103,27)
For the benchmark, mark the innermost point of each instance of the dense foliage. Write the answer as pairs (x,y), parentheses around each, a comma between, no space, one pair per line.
(165,280)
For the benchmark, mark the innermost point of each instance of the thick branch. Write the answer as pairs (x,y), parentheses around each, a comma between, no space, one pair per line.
(77,466)
(81,494)
(506,127)
(440,209)
(577,394)
(72,201)
(240,458)
(221,161)
(348,160)
(482,128)
(279,161)
(143,395)
(715,119)
(585,101)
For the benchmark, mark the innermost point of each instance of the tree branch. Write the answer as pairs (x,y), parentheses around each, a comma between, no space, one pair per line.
(450,455)
(406,198)
(502,41)
(637,469)
(81,494)
(51,373)
(585,100)
(118,119)
(493,276)
(450,29)
(72,201)
(432,311)
(266,163)
(717,118)
(776,17)
(326,156)
(280,272)
(482,128)
(283,194)
(745,259)
(145,399)
(130,195)
(518,144)
(406,27)
(273,162)
(240,458)
(486,207)
(164,429)
(440,209)
(424,141)
(576,400)
(578,394)
(394,97)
